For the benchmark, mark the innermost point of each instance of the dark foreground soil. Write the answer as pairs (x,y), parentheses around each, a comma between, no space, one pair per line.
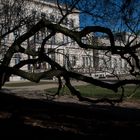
(41,119)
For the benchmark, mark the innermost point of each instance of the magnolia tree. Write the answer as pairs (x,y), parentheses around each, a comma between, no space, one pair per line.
(106,18)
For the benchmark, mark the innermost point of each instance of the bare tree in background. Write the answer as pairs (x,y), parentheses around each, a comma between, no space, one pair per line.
(109,18)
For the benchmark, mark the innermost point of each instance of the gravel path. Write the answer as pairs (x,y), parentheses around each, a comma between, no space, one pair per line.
(39,91)
(41,87)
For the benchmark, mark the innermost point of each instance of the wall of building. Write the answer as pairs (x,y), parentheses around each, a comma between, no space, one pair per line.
(63,49)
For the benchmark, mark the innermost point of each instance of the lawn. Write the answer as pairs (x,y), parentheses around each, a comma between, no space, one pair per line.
(26,83)
(130,92)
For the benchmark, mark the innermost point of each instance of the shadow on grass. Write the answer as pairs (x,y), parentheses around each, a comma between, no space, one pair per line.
(52,119)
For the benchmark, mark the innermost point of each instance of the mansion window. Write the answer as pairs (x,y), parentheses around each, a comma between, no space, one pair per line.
(17,58)
(86,60)
(51,53)
(52,18)
(65,21)
(71,23)
(65,39)
(73,60)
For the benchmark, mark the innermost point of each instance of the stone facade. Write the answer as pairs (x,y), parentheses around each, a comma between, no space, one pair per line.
(62,48)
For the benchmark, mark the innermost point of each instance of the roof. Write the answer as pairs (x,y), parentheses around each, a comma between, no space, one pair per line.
(52,3)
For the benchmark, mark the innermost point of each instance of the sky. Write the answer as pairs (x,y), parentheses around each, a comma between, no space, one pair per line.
(102,15)
(124,15)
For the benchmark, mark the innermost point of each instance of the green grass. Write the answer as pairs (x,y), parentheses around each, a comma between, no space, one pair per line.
(86,90)
(97,92)
(26,83)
